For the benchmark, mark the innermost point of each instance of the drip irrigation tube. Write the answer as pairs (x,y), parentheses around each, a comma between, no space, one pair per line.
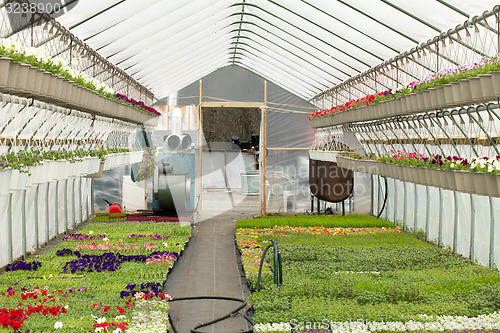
(233,313)
(385,199)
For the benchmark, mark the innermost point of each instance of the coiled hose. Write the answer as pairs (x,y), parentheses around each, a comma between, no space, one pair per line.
(233,313)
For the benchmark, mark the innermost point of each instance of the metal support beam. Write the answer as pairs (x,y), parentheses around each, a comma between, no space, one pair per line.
(427,212)
(472,252)
(491,258)
(372,194)
(415,206)
(35,218)
(395,201)
(10,254)
(73,205)
(47,221)
(80,200)
(23,223)
(66,206)
(455,222)
(56,209)
(405,208)
(441,222)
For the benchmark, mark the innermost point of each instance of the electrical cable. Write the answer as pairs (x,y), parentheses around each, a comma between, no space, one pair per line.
(385,199)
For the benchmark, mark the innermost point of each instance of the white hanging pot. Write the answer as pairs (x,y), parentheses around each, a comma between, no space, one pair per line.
(448,95)
(487,86)
(93,166)
(495,79)
(18,180)
(5,176)
(22,77)
(440,97)
(434,98)
(83,167)
(37,172)
(37,76)
(457,93)
(420,101)
(30,80)
(465,90)
(476,89)
(108,162)
(10,85)
(53,171)
(4,71)
(427,99)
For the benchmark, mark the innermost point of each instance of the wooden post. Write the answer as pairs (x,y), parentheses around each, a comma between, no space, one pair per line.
(263,151)
(200,145)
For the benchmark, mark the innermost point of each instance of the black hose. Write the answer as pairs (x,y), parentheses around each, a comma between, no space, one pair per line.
(385,199)
(257,286)
(233,313)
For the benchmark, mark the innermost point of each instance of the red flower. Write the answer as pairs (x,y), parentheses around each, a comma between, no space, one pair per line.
(121,310)
(54,311)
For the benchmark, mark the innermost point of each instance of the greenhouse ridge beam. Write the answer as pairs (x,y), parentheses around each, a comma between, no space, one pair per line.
(240,22)
(315,57)
(315,37)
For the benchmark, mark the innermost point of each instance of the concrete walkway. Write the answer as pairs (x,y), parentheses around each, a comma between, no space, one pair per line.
(208,267)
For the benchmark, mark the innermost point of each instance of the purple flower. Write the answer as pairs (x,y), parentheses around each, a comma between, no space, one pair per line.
(22,265)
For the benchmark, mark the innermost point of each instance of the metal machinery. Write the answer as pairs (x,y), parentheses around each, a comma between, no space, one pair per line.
(175,172)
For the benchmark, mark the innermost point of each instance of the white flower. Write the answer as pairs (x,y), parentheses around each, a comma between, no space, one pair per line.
(66,307)
(105,239)
(91,232)
(490,168)
(118,330)
(98,329)
(120,317)
(58,325)
(452,165)
(101,320)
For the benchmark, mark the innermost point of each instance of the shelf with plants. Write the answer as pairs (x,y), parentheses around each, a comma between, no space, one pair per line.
(476,176)
(460,86)
(22,169)
(28,72)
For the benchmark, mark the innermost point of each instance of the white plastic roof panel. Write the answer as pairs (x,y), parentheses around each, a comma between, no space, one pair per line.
(305,46)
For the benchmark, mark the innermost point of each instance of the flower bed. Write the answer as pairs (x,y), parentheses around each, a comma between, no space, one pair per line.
(367,280)
(99,280)
(122,217)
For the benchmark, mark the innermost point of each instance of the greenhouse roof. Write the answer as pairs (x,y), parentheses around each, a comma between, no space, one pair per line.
(305,46)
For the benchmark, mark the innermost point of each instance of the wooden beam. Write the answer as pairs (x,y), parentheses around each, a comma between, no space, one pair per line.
(263,152)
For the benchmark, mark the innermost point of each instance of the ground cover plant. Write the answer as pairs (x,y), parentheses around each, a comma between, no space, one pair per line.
(365,279)
(354,221)
(107,277)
